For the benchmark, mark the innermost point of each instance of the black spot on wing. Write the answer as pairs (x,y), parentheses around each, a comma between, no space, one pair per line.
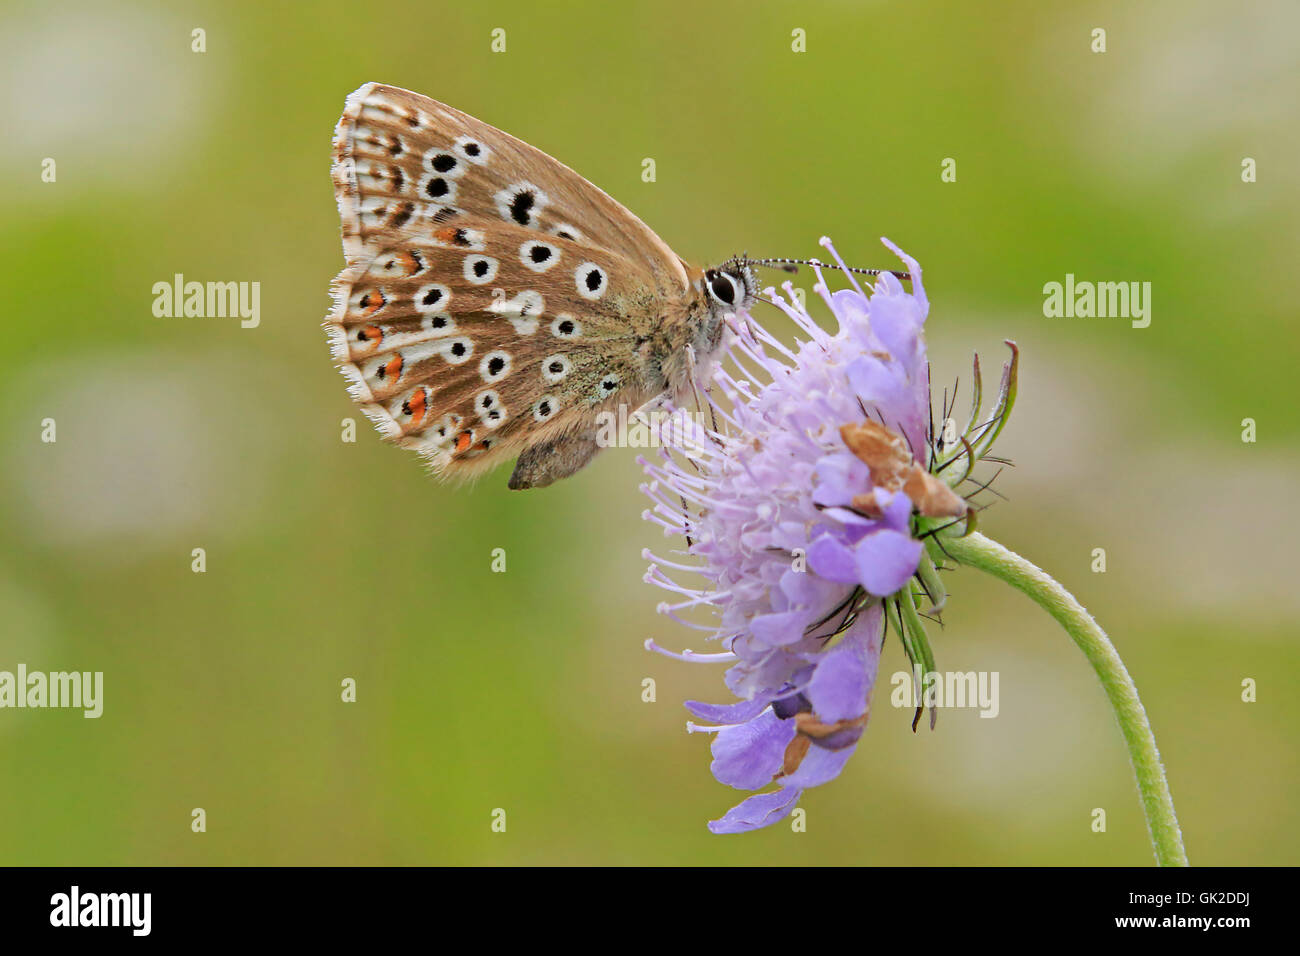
(520,205)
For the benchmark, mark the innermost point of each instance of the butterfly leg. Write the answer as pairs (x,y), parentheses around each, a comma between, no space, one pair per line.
(550,461)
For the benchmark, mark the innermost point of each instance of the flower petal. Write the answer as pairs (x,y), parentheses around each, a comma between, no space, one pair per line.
(818,766)
(845,674)
(729,713)
(758,811)
(875,381)
(885,560)
(896,320)
(838,478)
(897,508)
(782,628)
(747,756)
(833,561)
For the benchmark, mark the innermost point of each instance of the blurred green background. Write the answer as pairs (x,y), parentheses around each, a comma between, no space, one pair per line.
(522,690)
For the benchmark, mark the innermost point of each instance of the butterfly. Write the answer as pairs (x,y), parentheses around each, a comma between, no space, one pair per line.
(494,303)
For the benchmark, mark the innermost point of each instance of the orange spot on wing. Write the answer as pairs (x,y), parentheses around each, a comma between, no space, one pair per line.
(418,407)
(446,234)
(463,441)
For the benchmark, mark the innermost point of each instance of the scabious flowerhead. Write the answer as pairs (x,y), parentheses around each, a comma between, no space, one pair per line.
(801,507)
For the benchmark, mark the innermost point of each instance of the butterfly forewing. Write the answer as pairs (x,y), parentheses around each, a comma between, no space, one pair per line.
(491,296)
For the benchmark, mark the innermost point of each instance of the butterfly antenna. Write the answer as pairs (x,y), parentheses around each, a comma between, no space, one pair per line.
(792,265)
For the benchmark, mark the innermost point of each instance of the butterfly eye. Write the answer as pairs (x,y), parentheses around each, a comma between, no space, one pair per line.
(722,287)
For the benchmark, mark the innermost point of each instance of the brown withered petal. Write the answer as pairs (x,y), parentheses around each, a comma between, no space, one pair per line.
(893,467)
(881,450)
(866,505)
(794,754)
(932,497)
(809,726)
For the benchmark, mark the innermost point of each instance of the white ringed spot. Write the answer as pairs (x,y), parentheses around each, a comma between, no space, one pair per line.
(495,366)
(544,408)
(566,326)
(488,407)
(590,280)
(457,351)
(521,203)
(566,231)
(471,150)
(438,187)
(432,298)
(539,256)
(480,270)
(555,368)
(443,162)
(439,323)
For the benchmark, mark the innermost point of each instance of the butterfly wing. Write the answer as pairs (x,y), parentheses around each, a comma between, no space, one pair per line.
(394,147)
(493,300)
(456,365)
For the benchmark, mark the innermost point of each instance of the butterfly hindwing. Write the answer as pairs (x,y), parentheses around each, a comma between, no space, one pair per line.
(461,343)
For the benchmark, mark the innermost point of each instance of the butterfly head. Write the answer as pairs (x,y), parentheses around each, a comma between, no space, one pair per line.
(731,286)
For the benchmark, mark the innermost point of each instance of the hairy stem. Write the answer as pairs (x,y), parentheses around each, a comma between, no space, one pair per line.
(1162,822)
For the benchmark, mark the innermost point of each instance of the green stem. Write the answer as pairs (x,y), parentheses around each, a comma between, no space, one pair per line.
(1162,822)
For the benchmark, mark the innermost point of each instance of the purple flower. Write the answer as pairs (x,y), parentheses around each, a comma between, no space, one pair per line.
(799,507)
